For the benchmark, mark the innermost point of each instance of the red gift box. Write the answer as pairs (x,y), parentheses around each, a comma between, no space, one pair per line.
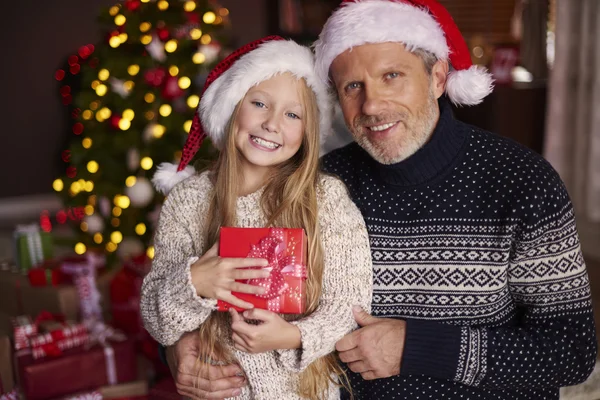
(285,249)
(48,274)
(77,370)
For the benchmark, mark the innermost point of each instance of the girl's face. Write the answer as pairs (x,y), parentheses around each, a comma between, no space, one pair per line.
(270,124)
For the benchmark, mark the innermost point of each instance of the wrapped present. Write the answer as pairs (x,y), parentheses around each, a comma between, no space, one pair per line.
(137,390)
(12,395)
(77,370)
(23,329)
(48,274)
(285,249)
(7,381)
(32,246)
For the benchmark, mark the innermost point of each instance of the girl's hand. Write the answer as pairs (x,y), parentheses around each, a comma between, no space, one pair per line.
(215,277)
(273,332)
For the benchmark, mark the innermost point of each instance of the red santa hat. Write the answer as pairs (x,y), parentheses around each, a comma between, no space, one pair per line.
(226,86)
(418,24)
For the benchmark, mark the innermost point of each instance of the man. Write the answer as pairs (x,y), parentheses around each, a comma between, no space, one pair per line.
(480,290)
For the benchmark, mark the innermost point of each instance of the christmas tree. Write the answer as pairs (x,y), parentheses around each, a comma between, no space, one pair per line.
(132,109)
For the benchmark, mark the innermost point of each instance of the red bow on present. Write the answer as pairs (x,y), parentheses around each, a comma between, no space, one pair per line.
(273,248)
(48,316)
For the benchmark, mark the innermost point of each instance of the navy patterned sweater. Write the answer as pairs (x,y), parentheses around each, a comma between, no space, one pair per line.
(474,244)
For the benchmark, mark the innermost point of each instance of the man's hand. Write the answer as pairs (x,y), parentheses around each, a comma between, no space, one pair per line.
(375,350)
(214,382)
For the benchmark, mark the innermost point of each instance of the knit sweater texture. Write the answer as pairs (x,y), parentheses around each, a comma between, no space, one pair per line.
(170,306)
(474,244)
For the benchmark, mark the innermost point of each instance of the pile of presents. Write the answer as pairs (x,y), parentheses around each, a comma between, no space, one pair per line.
(70,327)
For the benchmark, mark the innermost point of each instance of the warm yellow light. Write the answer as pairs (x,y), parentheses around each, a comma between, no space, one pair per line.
(128,114)
(114,42)
(158,131)
(198,58)
(145,26)
(124,124)
(146,163)
(86,143)
(219,20)
(92,166)
(223,12)
(111,247)
(58,185)
(116,211)
(98,238)
(184,82)
(95,84)
(120,19)
(165,110)
(87,115)
(145,1)
(146,39)
(128,85)
(89,210)
(116,237)
(187,125)
(150,252)
(83,226)
(115,222)
(92,200)
(101,90)
(173,70)
(149,97)
(209,17)
(130,181)
(122,201)
(100,118)
(103,74)
(114,10)
(149,115)
(189,6)
(89,186)
(133,69)
(123,37)
(193,101)
(80,248)
(171,46)
(163,5)
(140,229)
(195,34)
(75,188)
(205,39)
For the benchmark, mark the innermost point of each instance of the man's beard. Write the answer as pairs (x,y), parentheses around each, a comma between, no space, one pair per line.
(416,133)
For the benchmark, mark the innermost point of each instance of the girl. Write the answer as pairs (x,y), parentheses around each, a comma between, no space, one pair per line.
(263,108)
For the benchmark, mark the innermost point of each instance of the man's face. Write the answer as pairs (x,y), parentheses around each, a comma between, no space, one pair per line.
(388,99)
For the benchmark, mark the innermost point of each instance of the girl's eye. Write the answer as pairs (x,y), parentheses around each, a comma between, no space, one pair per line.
(259,104)
(292,115)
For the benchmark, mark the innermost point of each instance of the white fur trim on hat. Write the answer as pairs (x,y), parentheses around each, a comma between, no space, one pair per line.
(375,21)
(267,60)
(166,176)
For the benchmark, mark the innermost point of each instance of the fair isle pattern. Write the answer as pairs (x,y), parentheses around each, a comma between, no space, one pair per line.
(474,243)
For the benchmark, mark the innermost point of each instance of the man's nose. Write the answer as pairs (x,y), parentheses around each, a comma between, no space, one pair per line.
(373,100)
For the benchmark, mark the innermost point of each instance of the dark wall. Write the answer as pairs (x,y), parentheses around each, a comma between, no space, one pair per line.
(35,38)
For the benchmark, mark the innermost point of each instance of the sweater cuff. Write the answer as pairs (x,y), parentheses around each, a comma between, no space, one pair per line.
(431,348)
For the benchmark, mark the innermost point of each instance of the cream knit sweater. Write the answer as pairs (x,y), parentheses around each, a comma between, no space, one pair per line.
(170,306)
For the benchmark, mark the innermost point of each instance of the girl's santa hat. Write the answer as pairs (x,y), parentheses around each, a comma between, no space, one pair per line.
(422,24)
(226,86)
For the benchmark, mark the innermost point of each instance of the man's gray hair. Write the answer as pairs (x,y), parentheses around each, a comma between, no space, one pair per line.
(428,58)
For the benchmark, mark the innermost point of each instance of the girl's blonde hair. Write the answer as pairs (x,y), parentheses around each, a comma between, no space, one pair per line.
(289,200)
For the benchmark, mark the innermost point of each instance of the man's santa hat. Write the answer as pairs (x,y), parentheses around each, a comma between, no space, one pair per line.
(418,24)
(226,86)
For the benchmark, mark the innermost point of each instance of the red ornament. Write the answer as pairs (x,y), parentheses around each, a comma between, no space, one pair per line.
(61,217)
(171,90)
(84,52)
(75,69)
(71,172)
(65,90)
(163,34)
(193,17)
(75,113)
(45,222)
(114,121)
(78,128)
(155,77)
(66,100)
(59,75)
(132,5)
(73,60)
(66,155)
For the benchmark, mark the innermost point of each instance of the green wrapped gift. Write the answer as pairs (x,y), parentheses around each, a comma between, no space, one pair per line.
(33,246)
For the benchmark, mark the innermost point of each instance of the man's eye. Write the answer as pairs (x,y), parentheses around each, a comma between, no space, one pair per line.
(353,86)
(392,75)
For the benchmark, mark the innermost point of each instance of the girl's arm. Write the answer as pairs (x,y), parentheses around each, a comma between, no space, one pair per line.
(347,278)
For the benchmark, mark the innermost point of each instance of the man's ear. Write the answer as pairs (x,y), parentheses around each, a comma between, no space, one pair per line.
(439,77)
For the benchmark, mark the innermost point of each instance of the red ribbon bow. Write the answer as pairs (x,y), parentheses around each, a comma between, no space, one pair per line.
(273,248)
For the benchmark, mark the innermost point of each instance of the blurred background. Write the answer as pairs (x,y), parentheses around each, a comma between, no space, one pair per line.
(101,91)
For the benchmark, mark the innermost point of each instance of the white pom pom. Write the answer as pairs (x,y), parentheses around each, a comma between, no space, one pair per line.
(468,87)
(166,176)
